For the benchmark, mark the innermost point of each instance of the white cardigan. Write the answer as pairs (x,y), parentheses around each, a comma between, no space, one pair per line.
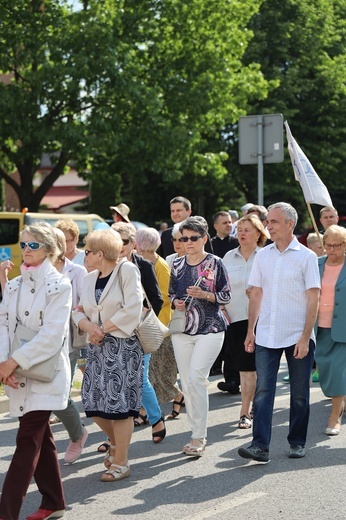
(121,305)
(45,305)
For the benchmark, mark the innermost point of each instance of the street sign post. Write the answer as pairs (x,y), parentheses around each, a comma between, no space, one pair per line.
(261,142)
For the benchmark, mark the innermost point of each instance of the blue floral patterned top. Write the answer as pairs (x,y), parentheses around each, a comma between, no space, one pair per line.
(203,317)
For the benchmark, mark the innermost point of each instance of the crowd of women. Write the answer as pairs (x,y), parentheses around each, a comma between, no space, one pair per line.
(58,306)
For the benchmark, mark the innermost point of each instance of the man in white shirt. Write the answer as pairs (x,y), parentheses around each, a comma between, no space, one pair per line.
(286,282)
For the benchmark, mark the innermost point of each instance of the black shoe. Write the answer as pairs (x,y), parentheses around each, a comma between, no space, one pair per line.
(230,387)
(254,453)
(296,452)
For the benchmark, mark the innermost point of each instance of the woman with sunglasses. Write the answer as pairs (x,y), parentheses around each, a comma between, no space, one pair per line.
(150,411)
(41,300)
(198,286)
(110,310)
(331,337)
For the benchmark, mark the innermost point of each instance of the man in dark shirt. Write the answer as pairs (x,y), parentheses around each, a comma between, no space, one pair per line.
(222,242)
(180,210)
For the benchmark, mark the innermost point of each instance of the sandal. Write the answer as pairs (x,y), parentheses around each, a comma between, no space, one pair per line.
(174,413)
(245,423)
(195,448)
(115,472)
(107,461)
(104,447)
(160,435)
(143,420)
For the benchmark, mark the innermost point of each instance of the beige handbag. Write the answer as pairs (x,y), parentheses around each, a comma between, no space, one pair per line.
(151,331)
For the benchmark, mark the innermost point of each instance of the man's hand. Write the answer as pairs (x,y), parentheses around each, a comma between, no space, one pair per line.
(301,349)
(249,342)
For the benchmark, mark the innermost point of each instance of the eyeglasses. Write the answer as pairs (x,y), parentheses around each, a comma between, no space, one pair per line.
(193,238)
(126,241)
(33,246)
(333,246)
(87,251)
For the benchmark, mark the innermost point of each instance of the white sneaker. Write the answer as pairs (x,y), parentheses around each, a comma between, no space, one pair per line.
(74,449)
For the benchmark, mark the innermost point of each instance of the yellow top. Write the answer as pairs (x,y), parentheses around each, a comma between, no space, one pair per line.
(163,274)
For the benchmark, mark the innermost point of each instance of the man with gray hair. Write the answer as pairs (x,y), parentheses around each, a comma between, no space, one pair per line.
(285,291)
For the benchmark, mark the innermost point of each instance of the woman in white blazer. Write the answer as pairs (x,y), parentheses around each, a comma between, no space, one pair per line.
(109,311)
(44,304)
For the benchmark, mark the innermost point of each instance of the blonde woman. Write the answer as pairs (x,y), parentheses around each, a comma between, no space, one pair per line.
(331,337)
(110,310)
(238,263)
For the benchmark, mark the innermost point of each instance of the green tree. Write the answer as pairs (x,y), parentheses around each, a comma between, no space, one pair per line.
(302,46)
(138,94)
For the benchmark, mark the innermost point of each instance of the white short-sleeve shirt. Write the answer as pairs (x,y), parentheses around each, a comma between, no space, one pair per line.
(238,271)
(284,278)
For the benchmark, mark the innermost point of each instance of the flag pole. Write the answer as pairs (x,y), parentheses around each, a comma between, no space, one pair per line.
(314,224)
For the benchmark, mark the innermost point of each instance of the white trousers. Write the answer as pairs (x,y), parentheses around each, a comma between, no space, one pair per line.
(195,356)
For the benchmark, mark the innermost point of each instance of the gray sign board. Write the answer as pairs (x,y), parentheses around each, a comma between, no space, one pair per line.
(261,136)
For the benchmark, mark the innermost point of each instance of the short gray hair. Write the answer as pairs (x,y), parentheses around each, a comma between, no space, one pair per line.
(197,223)
(44,233)
(148,239)
(125,228)
(289,211)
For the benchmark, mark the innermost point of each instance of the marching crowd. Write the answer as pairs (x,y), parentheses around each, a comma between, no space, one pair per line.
(235,302)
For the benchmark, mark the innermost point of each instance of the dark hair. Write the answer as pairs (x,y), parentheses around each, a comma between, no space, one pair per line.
(260,211)
(220,214)
(181,200)
(198,224)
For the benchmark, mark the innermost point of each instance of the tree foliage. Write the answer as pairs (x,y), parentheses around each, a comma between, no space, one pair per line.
(136,92)
(302,45)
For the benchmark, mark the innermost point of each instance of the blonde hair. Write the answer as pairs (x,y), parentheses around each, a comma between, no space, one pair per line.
(335,230)
(108,241)
(67,225)
(257,225)
(313,237)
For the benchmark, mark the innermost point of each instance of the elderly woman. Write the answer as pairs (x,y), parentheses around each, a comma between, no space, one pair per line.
(70,417)
(238,263)
(71,232)
(331,336)
(40,300)
(199,286)
(151,411)
(163,368)
(110,310)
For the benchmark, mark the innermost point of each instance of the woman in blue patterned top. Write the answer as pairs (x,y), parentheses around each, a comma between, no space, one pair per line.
(199,286)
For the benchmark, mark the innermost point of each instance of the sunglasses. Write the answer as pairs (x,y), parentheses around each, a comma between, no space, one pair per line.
(33,246)
(87,251)
(193,238)
(126,241)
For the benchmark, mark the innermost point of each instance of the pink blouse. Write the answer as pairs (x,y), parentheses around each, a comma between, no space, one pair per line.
(326,308)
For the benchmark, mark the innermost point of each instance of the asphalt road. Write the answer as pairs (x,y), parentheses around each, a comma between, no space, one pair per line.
(166,485)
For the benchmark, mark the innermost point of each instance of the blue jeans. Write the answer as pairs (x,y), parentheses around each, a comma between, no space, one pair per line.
(267,367)
(149,399)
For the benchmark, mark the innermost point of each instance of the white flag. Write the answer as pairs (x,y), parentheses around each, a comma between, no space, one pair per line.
(314,190)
